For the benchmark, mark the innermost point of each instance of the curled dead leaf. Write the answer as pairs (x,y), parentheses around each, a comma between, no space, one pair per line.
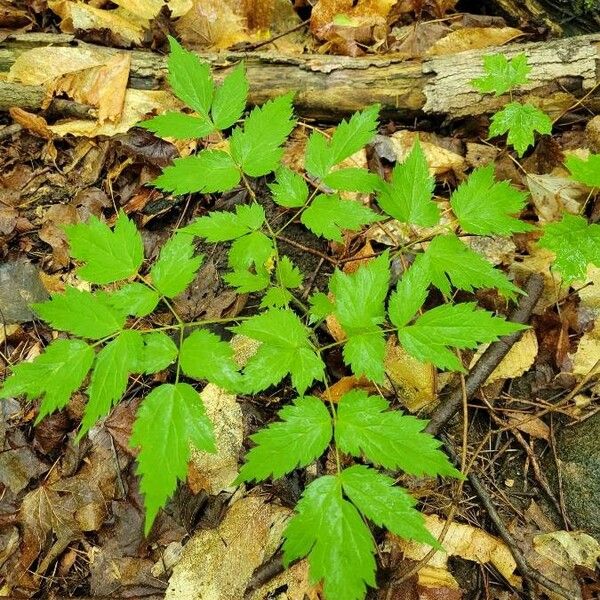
(473,38)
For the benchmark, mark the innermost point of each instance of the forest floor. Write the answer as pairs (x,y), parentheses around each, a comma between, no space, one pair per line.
(71,514)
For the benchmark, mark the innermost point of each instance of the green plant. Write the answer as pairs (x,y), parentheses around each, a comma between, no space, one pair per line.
(116,334)
(521,121)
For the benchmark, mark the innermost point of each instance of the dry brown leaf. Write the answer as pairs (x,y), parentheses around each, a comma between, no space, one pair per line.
(127,27)
(138,105)
(587,357)
(335,392)
(465,541)
(40,66)
(149,9)
(496,249)
(519,359)
(568,548)
(102,86)
(211,24)
(352,13)
(439,159)
(531,426)
(413,381)
(53,233)
(589,291)
(33,123)
(217,564)
(413,41)
(292,584)
(473,38)
(552,196)
(539,261)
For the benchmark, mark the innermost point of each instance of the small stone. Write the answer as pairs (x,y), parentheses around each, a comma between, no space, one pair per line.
(579,463)
(592,134)
(20,286)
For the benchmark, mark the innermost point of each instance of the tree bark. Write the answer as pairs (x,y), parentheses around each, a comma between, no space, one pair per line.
(329,87)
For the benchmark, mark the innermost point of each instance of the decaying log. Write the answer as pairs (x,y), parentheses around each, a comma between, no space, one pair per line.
(328,87)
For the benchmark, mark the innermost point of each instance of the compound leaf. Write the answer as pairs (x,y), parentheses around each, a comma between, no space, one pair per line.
(225,226)
(179,126)
(190,78)
(204,355)
(521,121)
(575,243)
(452,325)
(365,425)
(330,532)
(300,436)
(257,148)
(450,261)
(208,171)
(328,215)
(408,197)
(176,266)
(81,313)
(502,74)
(109,255)
(169,420)
(230,98)
(484,206)
(53,375)
(386,504)
(114,363)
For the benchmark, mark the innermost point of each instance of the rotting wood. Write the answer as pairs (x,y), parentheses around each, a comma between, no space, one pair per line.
(329,87)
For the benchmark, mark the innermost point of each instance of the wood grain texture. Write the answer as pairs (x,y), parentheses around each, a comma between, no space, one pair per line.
(329,87)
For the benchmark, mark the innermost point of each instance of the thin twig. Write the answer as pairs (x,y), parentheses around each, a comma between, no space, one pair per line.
(490,359)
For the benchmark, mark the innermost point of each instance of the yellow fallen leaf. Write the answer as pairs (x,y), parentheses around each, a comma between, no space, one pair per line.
(553,195)
(102,86)
(519,359)
(466,541)
(138,104)
(473,38)
(412,380)
(439,159)
(568,548)
(585,360)
(40,66)
(217,564)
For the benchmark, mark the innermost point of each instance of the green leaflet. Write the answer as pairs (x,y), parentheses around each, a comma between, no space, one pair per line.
(159,351)
(53,375)
(328,215)
(329,530)
(169,420)
(109,255)
(134,299)
(521,121)
(190,78)
(502,74)
(429,338)
(289,189)
(112,368)
(575,243)
(300,436)
(484,206)
(208,171)
(366,426)
(226,226)
(81,313)
(230,98)
(585,171)
(409,195)
(176,266)
(451,262)
(204,355)
(257,146)
(285,349)
(179,126)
